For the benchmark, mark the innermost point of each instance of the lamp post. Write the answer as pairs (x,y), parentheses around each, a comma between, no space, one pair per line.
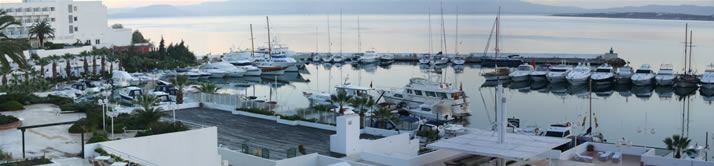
(104,117)
(112,115)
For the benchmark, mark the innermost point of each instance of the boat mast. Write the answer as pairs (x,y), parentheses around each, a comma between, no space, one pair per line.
(343,57)
(317,40)
(359,37)
(443,41)
(686,40)
(456,44)
(590,96)
(690,51)
(270,47)
(430,34)
(252,44)
(498,27)
(329,40)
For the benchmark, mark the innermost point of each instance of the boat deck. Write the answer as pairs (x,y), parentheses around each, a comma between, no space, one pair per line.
(234,131)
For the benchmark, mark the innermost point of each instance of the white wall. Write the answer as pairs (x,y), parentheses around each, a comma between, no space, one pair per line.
(397,144)
(189,148)
(237,158)
(346,140)
(304,160)
(59,52)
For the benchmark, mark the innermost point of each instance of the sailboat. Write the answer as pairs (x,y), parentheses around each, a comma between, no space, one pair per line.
(268,65)
(689,78)
(457,60)
(500,73)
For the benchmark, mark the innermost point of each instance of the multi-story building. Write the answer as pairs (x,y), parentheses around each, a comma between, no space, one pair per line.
(84,21)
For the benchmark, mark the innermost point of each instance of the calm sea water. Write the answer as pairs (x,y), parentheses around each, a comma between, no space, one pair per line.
(620,112)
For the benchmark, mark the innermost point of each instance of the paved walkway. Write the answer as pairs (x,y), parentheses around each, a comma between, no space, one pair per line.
(236,130)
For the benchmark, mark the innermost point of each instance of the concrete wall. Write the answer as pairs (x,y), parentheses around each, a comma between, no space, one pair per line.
(396,160)
(304,160)
(346,140)
(398,144)
(237,158)
(380,132)
(193,147)
(649,158)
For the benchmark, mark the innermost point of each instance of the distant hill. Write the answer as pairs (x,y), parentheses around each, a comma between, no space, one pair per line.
(321,7)
(643,15)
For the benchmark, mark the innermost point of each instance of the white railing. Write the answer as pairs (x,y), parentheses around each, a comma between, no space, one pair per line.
(128,157)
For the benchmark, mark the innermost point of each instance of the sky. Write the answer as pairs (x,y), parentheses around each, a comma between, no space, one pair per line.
(590,4)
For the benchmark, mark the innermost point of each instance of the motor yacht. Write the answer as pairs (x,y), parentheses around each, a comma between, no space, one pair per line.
(129,94)
(624,75)
(665,76)
(192,74)
(386,59)
(439,60)
(316,58)
(557,73)
(228,69)
(604,74)
(539,74)
(707,79)
(123,79)
(522,73)
(240,58)
(327,58)
(425,59)
(643,76)
(214,72)
(422,91)
(501,73)
(458,60)
(369,57)
(349,89)
(251,70)
(580,75)
(433,112)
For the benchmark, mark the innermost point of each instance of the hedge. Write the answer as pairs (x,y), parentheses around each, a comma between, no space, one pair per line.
(26,99)
(7,119)
(30,161)
(98,137)
(162,128)
(11,105)
(257,111)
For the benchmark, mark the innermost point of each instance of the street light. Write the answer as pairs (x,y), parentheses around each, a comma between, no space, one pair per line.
(112,115)
(104,117)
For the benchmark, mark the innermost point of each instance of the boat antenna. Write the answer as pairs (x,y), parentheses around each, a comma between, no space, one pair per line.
(252,44)
(317,40)
(329,40)
(359,37)
(270,47)
(443,41)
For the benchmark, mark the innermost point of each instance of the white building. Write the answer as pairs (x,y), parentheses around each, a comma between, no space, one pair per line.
(85,21)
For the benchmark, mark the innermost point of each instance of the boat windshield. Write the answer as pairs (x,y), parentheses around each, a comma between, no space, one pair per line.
(556,134)
(643,71)
(524,68)
(603,70)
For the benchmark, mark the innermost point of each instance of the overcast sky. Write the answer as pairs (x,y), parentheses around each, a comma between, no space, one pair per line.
(577,3)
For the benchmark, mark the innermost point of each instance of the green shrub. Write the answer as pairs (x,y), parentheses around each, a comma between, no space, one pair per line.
(162,128)
(7,119)
(11,106)
(257,111)
(98,136)
(76,128)
(293,117)
(30,161)
(101,151)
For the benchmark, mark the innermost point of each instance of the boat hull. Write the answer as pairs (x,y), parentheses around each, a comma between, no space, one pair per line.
(538,78)
(578,81)
(553,79)
(217,75)
(665,82)
(642,82)
(520,78)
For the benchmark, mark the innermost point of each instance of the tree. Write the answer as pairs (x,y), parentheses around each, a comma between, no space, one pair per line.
(42,31)
(10,49)
(146,101)
(179,81)
(86,64)
(137,37)
(359,103)
(4,75)
(94,63)
(162,48)
(43,62)
(208,88)
(54,66)
(5,156)
(383,114)
(679,144)
(340,99)
(102,63)
(150,115)
(68,68)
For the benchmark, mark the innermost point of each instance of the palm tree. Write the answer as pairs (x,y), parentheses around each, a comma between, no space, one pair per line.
(43,62)
(679,144)
(146,101)
(94,63)
(150,115)
(86,64)
(27,70)
(54,66)
(68,68)
(340,99)
(208,88)
(360,103)
(10,49)
(179,81)
(383,114)
(102,63)
(4,72)
(41,31)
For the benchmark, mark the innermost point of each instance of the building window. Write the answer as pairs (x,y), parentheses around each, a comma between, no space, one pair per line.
(69,8)
(75,8)
(71,29)
(52,9)
(27,9)
(96,41)
(19,20)
(76,29)
(18,10)
(52,19)
(29,20)
(9,10)
(88,42)
(44,20)
(44,9)
(71,19)
(36,9)
(75,18)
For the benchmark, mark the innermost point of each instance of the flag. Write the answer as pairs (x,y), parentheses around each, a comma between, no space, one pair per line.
(533,63)
(461,87)
(596,122)
(370,84)
(584,119)
(441,85)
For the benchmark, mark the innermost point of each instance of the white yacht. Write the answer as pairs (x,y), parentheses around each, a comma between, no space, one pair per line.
(240,58)
(624,75)
(123,79)
(539,74)
(279,55)
(327,58)
(707,79)
(665,76)
(338,59)
(557,73)
(316,58)
(250,70)
(351,90)
(193,74)
(386,58)
(643,76)
(422,91)
(439,60)
(438,112)
(369,57)
(580,74)
(229,69)
(522,73)
(214,72)
(129,94)
(425,59)
(604,74)
(458,60)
